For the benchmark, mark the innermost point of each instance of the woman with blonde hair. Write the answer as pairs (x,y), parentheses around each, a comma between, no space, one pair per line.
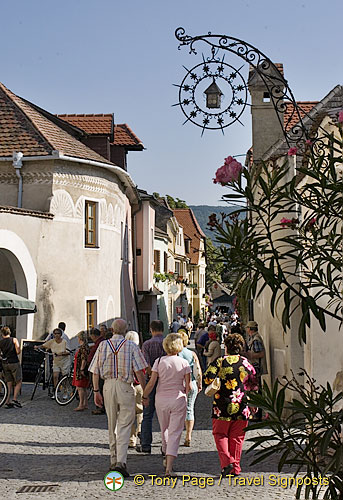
(80,377)
(173,375)
(196,385)
(137,425)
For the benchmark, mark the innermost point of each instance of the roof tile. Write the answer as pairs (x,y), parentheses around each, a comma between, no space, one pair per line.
(102,124)
(291,117)
(191,230)
(24,128)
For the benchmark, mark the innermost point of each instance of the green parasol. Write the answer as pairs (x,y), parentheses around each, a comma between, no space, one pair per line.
(15,305)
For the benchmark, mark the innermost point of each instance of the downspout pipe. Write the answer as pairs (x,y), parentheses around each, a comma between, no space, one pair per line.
(17,164)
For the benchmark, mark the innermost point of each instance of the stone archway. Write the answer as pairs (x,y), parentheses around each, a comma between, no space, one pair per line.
(18,275)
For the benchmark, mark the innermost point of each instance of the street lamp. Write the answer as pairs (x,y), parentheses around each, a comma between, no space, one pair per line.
(213,96)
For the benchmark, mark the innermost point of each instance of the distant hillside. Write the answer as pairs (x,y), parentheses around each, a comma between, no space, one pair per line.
(202,212)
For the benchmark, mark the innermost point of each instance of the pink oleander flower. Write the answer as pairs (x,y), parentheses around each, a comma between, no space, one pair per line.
(285,222)
(250,383)
(229,172)
(311,223)
(340,116)
(248,365)
(292,223)
(246,412)
(237,396)
(292,151)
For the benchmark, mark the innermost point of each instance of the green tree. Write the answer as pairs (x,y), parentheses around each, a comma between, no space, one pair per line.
(214,264)
(176,202)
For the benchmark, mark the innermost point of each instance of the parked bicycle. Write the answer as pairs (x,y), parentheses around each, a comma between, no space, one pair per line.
(66,392)
(41,375)
(3,386)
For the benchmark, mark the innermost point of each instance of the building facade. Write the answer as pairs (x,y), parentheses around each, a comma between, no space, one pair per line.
(319,356)
(65,223)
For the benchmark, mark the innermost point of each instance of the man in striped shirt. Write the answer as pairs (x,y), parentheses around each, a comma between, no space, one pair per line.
(116,361)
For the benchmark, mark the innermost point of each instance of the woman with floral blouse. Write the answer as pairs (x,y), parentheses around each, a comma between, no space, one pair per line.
(230,411)
(80,377)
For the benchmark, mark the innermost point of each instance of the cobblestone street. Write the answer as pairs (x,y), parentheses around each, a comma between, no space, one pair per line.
(44,444)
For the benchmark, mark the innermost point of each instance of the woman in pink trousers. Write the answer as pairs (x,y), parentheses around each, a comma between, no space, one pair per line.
(173,375)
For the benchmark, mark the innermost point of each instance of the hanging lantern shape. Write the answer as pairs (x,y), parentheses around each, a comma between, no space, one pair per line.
(213,95)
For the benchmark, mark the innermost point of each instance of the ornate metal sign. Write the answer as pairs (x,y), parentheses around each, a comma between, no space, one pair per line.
(227,86)
(231,83)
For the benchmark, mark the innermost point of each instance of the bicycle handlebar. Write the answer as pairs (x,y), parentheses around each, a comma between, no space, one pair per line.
(44,352)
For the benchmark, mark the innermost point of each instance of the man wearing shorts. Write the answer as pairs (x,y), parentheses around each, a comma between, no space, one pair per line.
(9,348)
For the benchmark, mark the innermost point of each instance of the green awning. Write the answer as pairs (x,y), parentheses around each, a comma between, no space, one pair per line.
(15,305)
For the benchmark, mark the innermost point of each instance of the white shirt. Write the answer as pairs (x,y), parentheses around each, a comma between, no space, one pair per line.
(65,337)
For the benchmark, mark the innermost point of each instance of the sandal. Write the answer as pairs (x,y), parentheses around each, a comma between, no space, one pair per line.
(170,474)
(16,403)
(187,443)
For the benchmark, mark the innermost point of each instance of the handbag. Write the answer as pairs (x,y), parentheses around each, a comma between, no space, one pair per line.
(215,385)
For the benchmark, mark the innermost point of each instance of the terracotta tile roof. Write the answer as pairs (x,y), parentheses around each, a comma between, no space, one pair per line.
(26,211)
(124,136)
(280,68)
(104,125)
(253,72)
(191,231)
(304,108)
(91,124)
(25,127)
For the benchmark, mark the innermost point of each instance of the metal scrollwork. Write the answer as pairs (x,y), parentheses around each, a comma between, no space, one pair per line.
(277,87)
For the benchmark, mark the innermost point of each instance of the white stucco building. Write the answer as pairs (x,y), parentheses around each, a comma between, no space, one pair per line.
(66,227)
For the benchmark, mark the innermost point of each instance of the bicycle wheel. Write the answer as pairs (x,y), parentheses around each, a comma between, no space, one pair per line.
(3,391)
(89,390)
(65,391)
(39,376)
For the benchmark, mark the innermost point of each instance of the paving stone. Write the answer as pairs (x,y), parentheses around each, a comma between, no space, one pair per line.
(44,443)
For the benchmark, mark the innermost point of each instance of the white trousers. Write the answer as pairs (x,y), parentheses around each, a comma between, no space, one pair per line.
(119,399)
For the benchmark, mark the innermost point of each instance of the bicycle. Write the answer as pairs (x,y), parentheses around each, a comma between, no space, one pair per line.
(3,387)
(40,377)
(66,392)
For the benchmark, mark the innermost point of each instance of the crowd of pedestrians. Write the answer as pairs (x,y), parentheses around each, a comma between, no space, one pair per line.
(132,380)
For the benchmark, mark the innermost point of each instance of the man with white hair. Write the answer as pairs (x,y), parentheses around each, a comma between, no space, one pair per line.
(117,360)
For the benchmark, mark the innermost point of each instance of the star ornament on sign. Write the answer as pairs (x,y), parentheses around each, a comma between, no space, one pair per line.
(213,94)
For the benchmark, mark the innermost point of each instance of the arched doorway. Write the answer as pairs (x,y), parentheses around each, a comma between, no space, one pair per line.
(17,275)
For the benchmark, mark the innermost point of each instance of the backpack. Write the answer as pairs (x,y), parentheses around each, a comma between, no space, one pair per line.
(263,361)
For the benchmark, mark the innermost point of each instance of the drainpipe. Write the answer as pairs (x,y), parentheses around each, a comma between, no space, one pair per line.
(17,164)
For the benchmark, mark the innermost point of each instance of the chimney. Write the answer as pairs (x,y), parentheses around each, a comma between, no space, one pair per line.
(266,128)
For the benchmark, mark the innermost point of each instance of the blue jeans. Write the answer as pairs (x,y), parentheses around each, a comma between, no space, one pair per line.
(148,414)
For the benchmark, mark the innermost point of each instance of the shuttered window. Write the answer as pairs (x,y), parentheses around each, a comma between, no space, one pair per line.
(157,261)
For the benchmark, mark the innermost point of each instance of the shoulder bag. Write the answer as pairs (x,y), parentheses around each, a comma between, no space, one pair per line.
(214,386)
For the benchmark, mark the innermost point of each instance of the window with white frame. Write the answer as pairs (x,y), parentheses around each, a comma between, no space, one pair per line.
(91,224)
(91,306)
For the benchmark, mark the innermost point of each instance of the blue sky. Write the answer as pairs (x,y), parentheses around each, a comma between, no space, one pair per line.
(104,56)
